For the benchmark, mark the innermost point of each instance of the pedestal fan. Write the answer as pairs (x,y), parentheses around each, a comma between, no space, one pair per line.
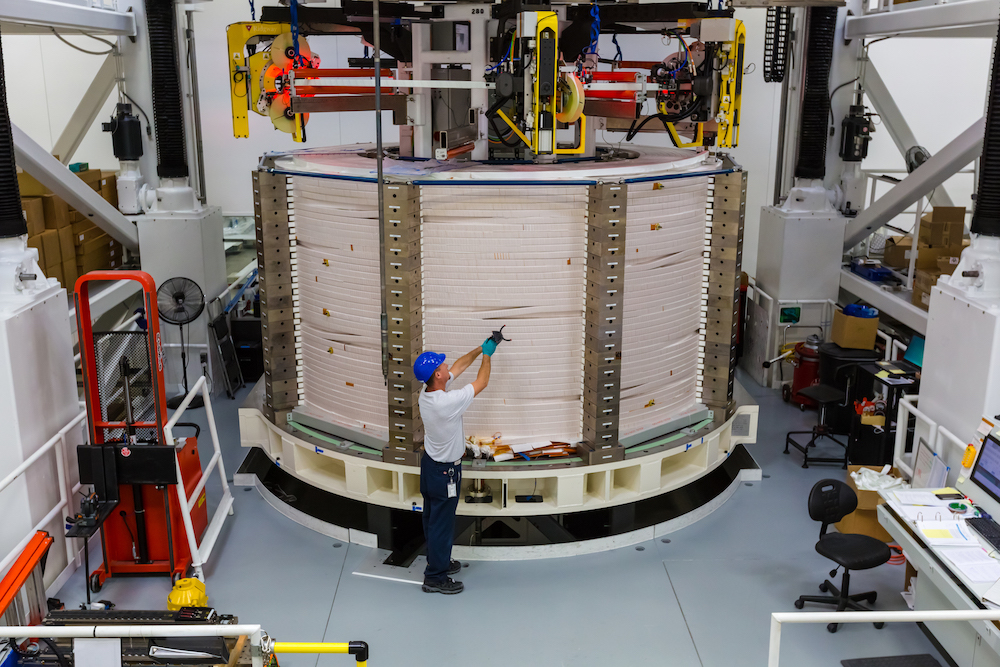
(180,301)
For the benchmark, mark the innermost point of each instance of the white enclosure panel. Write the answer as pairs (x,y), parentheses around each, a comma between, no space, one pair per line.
(337,255)
(515,256)
(664,262)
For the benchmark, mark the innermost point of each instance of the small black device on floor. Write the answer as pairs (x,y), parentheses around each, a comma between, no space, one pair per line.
(535,498)
(987,528)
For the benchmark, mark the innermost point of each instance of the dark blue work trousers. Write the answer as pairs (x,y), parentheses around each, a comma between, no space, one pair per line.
(439,514)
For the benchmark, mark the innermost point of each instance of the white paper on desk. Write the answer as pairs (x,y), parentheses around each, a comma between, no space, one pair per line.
(908,497)
(945,533)
(993,594)
(974,563)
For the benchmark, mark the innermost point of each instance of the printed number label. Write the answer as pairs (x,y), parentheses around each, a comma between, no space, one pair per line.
(478,10)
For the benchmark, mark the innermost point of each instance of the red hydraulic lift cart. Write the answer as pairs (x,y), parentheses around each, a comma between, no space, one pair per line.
(129,462)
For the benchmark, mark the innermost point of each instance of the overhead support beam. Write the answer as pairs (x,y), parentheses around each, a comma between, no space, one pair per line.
(63,183)
(40,16)
(965,148)
(895,123)
(86,112)
(968,18)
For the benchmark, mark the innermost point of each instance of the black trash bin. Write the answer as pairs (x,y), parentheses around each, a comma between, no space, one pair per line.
(838,367)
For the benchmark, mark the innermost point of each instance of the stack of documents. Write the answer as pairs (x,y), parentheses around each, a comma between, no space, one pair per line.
(974,563)
(946,533)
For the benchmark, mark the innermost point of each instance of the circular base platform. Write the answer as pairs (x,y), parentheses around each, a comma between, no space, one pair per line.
(353,497)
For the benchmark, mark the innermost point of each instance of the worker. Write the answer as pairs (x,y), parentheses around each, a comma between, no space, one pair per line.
(441,410)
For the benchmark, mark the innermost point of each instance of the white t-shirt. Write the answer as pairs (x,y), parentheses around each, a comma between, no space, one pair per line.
(441,412)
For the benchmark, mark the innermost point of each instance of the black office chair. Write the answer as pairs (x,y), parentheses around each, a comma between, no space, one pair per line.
(830,501)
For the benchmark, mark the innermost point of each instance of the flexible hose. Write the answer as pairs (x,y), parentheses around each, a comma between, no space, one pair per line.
(986,216)
(813,126)
(168,109)
(11,218)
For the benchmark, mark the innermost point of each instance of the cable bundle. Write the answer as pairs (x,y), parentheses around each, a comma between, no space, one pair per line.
(813,123)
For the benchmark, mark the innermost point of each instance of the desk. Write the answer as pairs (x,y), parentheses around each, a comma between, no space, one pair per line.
(938,586)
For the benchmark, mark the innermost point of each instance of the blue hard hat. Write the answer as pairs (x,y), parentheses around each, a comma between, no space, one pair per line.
(426,364)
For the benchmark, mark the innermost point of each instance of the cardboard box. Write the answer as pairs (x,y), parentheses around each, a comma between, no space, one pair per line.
(93,262)
(67,250)
(102,243)
(91,177)
(864,520)
(34,214)
(109,187)
(943,226)
(75,217)
(36,243)
(29,186)
(70,274)
(925,280)
(85,231)
(56,212)
(50,245)
(947,265)
(898,250)
(854,333)
(921,298)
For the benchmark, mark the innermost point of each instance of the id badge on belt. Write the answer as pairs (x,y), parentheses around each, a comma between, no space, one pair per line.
(452,487)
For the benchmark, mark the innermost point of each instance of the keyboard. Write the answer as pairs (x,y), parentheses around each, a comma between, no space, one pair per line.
(987,528)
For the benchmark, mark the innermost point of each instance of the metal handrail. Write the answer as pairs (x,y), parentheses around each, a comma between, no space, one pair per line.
(65,493)
(777,618)
(200,553)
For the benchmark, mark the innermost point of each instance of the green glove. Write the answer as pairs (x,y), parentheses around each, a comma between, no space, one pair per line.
(489,347)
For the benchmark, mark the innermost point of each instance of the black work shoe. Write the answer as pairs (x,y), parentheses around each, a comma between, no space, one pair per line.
(449,586)
(455,567)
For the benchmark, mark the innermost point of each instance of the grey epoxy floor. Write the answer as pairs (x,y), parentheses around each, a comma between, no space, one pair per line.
(703,599)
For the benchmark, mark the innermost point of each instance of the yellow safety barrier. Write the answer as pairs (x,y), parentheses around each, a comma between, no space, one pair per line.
(358,649)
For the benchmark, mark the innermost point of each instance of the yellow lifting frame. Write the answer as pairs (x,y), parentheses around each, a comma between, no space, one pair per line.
(731,90)
(560,151)
(547,21)
(237,36)
(699,137)
(583,140)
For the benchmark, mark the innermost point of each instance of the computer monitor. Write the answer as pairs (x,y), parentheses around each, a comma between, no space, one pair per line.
(986,473)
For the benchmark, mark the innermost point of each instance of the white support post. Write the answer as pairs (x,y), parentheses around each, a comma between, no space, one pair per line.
(57,177)
(71,17)
(970,18)
(86,111)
